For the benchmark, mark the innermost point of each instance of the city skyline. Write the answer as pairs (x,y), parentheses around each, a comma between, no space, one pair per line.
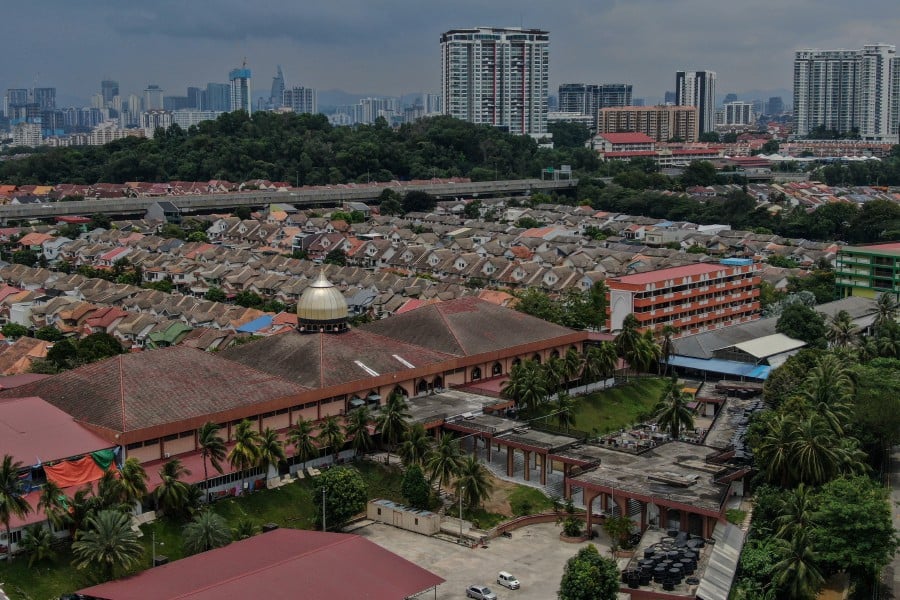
(359,48)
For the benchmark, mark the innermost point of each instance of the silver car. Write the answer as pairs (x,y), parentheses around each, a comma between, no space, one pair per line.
(480,592)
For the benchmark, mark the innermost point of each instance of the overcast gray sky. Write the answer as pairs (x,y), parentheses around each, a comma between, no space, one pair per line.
(391,47)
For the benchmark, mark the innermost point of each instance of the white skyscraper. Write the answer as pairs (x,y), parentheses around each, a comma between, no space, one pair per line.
(300,99)
(497,76)
(848,91)
(240,89)
(698,88)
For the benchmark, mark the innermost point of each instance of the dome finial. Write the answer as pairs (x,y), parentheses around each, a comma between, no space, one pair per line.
(322,307)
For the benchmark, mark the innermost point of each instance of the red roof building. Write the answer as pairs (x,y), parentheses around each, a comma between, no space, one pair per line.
(285,563)
(624,142)
(692,298)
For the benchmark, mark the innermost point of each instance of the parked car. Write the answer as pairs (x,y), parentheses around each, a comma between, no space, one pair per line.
(507,580)
(480,592)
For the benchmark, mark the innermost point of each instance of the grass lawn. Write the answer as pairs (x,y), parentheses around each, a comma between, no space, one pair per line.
(524,500)
(481,518)
(44,580)
(618,407)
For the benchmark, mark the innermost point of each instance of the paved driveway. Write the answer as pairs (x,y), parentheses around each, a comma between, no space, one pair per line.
(534,554)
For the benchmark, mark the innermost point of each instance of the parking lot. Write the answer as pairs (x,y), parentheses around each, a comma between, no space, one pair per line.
(535,555)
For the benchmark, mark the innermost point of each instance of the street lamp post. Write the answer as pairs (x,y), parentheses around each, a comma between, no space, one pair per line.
(462,490)
(323,510)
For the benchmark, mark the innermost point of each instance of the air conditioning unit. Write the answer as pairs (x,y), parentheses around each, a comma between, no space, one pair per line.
(166,455)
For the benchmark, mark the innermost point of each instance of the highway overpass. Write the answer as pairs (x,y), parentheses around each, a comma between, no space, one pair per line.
(323,196)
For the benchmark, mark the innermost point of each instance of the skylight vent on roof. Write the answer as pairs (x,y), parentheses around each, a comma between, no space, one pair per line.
(368,370)
(404,362)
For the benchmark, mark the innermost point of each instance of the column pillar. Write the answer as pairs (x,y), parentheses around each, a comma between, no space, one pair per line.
(509,461)
(543,469)
(527,461)
(489,448)
(589,506)
(567,490)
(663,518)
(643,517)
(684,520)
(604,502)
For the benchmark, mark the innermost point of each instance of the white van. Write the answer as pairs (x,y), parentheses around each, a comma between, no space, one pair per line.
(507,580)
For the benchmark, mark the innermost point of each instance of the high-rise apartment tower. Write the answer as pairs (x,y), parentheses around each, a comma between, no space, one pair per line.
(497,76)
(698,88)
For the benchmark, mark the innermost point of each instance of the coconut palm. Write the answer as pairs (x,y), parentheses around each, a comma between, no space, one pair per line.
(415,445)
(301,438)
(271,449)
(244,455)
(12,496)
(887,340)
(393,420)
(172,493)
(574,364)
(332,435)
(38,543)
(133,480)
(815,454)
(555,374)
(527,385)
(473,482)
(774,452)
(54,503)
(357,430)
(795,512)
(842,333)
(107,543)
(110,492)
(795,573)
(646,352)
(600,362)
(444,460)
(207,531)
(886,310)
(627,340)
(667,347)
(672,412)
(829,389)
(565,410)
(212,448)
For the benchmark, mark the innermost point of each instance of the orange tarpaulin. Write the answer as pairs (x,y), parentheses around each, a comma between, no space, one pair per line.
(74,472)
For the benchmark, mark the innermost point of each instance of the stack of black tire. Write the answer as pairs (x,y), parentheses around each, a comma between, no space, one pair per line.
(664,563)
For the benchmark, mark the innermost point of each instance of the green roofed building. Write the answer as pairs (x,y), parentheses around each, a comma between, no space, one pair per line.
(868,271)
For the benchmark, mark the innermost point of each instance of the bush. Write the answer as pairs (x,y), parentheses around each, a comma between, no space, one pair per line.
(572,526)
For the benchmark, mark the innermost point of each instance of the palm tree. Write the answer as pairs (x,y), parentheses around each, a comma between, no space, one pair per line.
(107,542)
(301,438)
(172,493)
(829,390)
(357,429)
(415,446)
(271,450)
(110,492)
(842,333)
(886,310)
(444,460)
(646,352)
(12,496)
(555,374)
(600,362)
(527,385)
(795,512)
(212,448)
(207,531)
(565,410)
(672,413)
(774,452)
(38,543)
(887,340)
(627,340)
(815,454)
(133,480)
(795,573)
(574,364)
(332,435)
(667,347)
(53,502)
(244,455)
(393,421)
(473,482)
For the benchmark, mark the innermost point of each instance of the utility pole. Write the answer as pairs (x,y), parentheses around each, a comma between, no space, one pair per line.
(323,510)
(461,492)
(153,538)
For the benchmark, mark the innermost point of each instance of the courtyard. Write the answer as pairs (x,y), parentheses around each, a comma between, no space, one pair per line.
(534,554)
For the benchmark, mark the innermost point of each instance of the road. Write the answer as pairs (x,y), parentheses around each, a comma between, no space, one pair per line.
(890,576)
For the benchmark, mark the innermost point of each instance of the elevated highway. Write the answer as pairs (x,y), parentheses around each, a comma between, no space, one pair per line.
(306,197)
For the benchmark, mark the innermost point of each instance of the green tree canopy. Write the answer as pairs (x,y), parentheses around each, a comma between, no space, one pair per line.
(415,488)
(803,323)
(589,576)
(345,496)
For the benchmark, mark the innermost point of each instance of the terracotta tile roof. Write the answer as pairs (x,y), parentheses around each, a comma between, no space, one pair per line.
(136,391)
(321,359)
(465,326)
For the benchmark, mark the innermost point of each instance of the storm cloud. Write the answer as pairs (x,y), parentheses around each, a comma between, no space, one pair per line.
(392,47)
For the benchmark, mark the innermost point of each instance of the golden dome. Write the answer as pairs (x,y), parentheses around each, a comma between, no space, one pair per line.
(321,302)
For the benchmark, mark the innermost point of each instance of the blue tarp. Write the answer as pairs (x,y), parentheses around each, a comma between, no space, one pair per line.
(256,324)
(726,367)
